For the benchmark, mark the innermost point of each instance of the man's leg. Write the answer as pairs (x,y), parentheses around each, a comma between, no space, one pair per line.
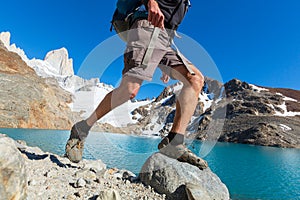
(127,90)
(188,97)
(172,144)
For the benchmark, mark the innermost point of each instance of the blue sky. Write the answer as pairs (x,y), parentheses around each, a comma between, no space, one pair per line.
(257,41)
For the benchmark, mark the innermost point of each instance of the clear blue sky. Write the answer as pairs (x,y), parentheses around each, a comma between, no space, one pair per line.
(257,41)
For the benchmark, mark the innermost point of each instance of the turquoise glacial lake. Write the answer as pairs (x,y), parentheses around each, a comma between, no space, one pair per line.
(250,172)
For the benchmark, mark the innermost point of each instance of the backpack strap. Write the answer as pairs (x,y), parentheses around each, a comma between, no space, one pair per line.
(151,46)
(174,12)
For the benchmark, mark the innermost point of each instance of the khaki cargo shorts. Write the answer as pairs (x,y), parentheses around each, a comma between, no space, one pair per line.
(162,55)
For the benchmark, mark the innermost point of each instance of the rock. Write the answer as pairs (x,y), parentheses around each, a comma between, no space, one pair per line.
(94,165)
(109,195)
(13,179)
(180,180)
(21,142)
(80,183)
(127,175)
(71,197)
(195,192)
(86,174)
(32,182)
(234,86)
(59,60)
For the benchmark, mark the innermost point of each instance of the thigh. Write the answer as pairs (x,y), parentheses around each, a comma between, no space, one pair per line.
(173,65)
(139,38)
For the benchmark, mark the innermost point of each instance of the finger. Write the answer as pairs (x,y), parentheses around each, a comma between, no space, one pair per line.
(161,22)
(150,17)
(167,78)
(154,20)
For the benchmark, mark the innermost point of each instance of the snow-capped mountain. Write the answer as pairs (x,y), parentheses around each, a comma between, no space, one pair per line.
(58,65)
(254,115)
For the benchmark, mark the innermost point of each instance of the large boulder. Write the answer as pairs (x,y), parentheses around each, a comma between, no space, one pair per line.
(181,181)
(13,180)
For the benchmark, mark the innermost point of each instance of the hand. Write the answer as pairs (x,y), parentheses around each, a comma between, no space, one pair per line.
(165,78)
(155,16)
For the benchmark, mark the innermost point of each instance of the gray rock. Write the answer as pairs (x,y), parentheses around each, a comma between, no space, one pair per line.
(86,174)
(13,180)
(94,165)
(80,183)
(125,174)
(109,195)
(32,182)
(22,142)
(180,180)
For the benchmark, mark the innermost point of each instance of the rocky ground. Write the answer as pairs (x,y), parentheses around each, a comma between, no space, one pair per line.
(31,174)
(50,176)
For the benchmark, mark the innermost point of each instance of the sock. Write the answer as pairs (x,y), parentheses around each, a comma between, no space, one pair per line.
(84,128)
(175,138)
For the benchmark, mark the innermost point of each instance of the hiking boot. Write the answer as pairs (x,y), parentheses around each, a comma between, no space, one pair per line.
(181,153)
(75,144)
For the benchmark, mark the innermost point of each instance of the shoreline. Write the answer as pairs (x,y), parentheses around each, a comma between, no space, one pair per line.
(156,137)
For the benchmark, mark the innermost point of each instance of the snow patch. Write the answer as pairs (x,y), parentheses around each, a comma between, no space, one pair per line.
(285,112)
(121,116)
(258,89)
(289,99)
(285,127)
(285,98)
(206,100)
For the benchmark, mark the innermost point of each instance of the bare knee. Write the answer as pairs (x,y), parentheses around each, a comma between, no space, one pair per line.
(196,81)
(128,88)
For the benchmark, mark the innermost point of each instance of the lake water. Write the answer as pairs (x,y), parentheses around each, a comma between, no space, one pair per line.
(250,172)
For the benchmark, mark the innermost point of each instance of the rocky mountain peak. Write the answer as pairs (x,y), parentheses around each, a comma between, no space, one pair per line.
(255,115)
(235,86)
(29,101)
(5,38)
(61,62)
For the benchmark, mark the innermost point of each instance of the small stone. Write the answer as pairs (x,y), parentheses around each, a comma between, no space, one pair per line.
(127,174)
(86,174)
(71,197)
(80,183)
(109,195)
(32,182)
(93,170)
(98,180)
(94,165)
(118,175)
(127,182)
(22,142)
(112,171)
(77,194)
(46,174)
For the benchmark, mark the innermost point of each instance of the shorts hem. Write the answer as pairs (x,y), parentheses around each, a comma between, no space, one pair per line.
(138,76)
